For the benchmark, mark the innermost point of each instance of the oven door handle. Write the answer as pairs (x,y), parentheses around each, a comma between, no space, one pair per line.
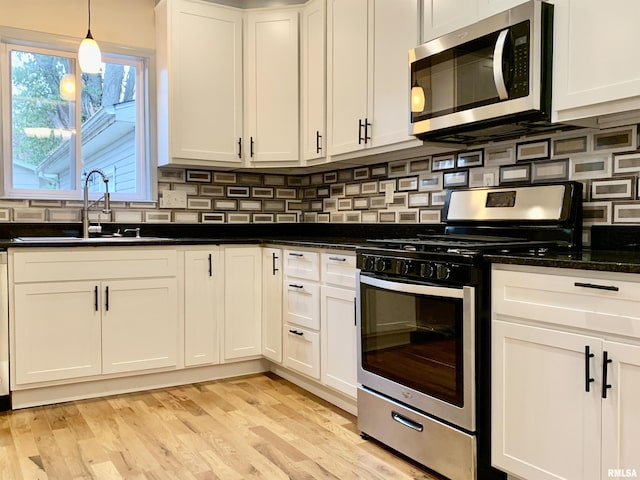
(449,292)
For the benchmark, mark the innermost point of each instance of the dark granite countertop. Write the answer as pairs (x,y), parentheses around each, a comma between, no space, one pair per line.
(625,261)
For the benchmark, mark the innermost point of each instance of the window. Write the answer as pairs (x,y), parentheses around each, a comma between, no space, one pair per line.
(55,133)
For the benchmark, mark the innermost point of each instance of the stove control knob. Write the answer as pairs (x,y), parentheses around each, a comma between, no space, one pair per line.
(406,267)
(427,270)
(443,272)
(369,263)
(381,264)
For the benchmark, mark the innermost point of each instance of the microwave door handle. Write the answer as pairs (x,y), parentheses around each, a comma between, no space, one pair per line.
(498,72)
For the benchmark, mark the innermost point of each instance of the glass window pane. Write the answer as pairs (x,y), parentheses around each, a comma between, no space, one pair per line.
(43,123)
(109,117)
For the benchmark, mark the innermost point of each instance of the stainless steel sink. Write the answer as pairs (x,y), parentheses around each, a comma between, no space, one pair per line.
(101,239)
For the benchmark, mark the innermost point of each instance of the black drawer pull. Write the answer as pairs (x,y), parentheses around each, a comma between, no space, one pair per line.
(611,288)
(296,254)
(295,332)
(338,259)
(587,371)
(293,285)
(407,422)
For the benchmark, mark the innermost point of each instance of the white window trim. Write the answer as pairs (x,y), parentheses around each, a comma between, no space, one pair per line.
(143,59)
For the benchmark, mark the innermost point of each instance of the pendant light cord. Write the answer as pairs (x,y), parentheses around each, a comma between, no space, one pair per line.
(89,25)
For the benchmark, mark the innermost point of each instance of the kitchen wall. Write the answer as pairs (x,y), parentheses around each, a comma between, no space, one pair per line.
(607,162)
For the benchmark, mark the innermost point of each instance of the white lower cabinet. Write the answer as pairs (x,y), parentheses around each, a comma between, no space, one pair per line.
(302,350)
(565,373)
(106,311)
(202,306)
(272,304)
(339,340)
(242,323)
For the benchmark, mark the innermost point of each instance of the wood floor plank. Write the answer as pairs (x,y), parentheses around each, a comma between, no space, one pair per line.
(254,427)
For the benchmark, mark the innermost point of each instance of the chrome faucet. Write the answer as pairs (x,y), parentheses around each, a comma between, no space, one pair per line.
(86,228)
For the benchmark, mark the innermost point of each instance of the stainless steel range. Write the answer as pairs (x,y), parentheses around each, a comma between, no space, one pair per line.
(423,311)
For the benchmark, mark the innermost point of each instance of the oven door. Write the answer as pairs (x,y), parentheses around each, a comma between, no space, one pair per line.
(416,345)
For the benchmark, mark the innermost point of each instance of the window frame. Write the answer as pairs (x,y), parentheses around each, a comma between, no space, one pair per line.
(50,44)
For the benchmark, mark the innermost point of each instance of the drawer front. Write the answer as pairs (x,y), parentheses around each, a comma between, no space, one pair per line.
(301,264)
(88,264)
(338,269)
(302,350)
(302,303)
(598,301)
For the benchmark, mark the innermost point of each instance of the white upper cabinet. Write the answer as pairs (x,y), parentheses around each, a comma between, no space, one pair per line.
(368,74)
(272,88)
(313,80)
(594,72)
(440,18)
(199,65)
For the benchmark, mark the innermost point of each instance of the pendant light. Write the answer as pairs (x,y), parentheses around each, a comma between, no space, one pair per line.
(89,55)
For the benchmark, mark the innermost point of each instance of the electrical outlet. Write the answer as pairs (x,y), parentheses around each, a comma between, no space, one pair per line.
(488,179)
(389,193)
(173,199)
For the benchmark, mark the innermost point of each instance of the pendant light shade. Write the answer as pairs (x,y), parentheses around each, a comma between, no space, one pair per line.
(89,55)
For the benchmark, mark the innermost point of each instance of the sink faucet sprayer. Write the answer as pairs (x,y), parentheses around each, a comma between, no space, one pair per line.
(86,228)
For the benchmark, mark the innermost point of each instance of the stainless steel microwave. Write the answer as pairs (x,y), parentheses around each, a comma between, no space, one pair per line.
(486,81)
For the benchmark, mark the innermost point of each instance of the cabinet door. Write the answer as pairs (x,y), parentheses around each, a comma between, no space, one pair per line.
(205,72)
(540,406)
(593,72)
(302,350)
(271,86)
(338,339)
(487,8)
(441,17)
(139,324)
(272,304)
(620,413)
(313,78)
(395,31)
(242,302)
(202,301)
(347,34)
(56,331)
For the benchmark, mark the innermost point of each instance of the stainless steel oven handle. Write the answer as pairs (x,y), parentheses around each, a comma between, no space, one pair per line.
(407,422)
(498,72)
(449,292)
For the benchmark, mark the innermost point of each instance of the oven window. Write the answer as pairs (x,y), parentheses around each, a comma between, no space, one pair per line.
(414,340)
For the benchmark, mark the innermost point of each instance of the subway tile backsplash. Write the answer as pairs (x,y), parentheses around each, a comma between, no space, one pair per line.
(607,162)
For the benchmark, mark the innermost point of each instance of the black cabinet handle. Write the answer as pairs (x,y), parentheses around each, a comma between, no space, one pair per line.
(210,266)
(95,298)
(611,288)
(292,254)
(355,312)
(360,138)
(366,131)
(106,298)
(587,373)
(251,147)
(240,147)
(338,259)
(605,362)
(293,285)
(295,332)
(273,263)
(318,142)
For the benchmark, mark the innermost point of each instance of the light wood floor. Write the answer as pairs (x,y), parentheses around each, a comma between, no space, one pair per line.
(258,427)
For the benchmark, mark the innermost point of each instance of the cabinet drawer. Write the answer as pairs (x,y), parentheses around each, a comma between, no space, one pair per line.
(302,303)
(600,301)
(302,350)
(338,269)
(88,264)
(301,264)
